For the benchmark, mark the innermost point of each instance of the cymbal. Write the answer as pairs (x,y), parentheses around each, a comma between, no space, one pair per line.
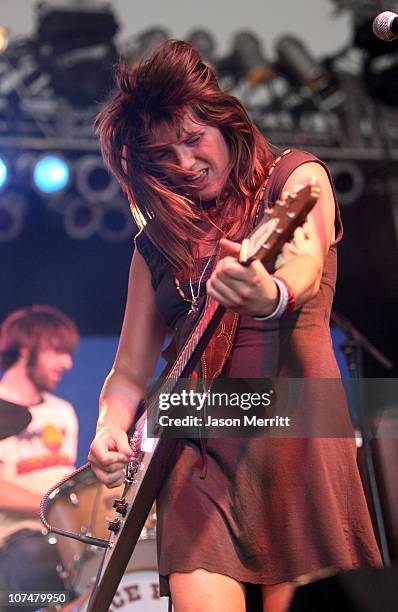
(13,418)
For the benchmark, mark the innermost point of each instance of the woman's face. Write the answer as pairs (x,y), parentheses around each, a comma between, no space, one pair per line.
(199,148)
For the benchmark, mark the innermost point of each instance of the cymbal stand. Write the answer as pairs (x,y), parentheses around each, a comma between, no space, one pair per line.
(353,350)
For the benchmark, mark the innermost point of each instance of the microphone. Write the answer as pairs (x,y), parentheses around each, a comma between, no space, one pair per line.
(385,26)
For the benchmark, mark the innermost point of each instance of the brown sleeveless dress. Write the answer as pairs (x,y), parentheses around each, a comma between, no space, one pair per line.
(267,510)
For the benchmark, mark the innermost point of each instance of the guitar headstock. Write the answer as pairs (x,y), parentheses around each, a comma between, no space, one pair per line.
(279,223)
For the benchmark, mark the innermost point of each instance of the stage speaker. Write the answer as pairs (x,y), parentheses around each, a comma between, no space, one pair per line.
(364,590)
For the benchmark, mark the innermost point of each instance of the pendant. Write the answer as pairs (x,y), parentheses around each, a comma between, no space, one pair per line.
(194,307)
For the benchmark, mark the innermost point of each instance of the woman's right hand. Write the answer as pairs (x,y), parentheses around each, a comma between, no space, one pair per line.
(109,453)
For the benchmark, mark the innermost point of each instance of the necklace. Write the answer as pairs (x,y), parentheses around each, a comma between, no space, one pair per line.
(194,298)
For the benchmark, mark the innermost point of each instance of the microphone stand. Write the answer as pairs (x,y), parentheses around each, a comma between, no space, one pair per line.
(353,350)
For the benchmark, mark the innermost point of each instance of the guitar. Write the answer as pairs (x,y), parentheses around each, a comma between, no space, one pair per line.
(151,456)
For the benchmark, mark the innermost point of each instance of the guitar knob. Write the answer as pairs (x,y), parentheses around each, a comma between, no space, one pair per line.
(114,526)
(120,506)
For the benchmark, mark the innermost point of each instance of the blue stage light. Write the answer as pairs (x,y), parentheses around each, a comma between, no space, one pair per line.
(51,174)
(3,173)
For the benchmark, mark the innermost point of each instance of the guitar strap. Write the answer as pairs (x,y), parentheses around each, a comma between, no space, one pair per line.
(217,351)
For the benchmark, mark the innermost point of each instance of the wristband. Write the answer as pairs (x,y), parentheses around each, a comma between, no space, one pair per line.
(291,304)
(286,302)
(281,305)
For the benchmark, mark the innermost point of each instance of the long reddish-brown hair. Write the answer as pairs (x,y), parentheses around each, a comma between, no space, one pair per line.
(163,88)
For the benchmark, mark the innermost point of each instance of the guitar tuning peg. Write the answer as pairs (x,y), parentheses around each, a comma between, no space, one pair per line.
(291,215)
(280,203)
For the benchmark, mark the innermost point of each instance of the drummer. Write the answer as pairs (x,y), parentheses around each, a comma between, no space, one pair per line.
(36,346)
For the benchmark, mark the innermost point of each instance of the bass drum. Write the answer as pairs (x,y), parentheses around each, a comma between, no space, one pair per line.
(84,506)
(138,592)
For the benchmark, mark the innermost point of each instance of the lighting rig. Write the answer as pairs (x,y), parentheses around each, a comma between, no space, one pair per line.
(51,86)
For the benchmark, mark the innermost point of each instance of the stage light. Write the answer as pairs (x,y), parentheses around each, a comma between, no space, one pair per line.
(51,174)
(319,83)
(93,180)
(12,208)
(348,180)
(138,47)
(81,219)
(247,60)
(203,42)
(78,49)
(117,223)
(251,62)
(3,173)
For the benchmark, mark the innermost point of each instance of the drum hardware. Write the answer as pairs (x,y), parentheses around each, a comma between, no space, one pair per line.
(148,533)
(73,498)
(51,539)
(86,530)
(80,562)
(62,573)
(353,349)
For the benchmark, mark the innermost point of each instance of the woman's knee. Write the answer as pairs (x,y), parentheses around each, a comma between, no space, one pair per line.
(203,591)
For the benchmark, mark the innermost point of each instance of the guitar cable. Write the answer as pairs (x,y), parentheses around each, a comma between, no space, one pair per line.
(44,507)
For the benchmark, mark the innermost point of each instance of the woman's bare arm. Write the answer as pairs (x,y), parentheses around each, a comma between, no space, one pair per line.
(141,340)
(251,290)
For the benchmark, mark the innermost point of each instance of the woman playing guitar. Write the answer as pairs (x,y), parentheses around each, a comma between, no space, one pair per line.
(233,512)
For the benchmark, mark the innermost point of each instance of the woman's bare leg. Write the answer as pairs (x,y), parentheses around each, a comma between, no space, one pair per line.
(202,591)
(278,597)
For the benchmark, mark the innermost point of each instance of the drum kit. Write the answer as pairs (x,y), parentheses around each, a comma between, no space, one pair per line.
(13,419)
(81,505)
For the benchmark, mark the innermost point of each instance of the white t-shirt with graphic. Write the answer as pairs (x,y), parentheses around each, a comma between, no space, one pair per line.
(43,453)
